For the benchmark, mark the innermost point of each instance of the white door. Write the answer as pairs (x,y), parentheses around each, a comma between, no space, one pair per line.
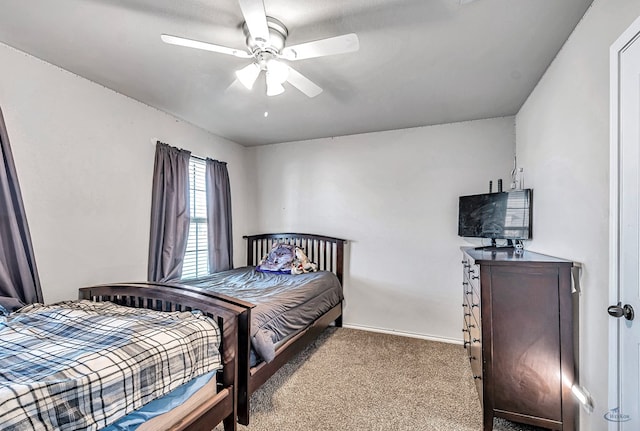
(624,402)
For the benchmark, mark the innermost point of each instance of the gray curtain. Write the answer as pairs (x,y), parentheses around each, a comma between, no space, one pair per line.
(219,216)
(169,213)
(19,281)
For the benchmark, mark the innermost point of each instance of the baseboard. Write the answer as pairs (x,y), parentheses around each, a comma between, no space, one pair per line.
(402,333)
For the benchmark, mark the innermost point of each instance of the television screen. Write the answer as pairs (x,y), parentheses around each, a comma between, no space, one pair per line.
(503,215)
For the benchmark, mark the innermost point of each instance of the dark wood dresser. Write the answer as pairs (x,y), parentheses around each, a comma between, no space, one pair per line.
(518,333)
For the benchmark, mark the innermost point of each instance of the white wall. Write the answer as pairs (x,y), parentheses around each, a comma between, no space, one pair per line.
(563,143)
(84,156)
(394,196)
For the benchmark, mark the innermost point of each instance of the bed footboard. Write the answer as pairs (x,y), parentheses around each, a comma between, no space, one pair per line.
(223,407)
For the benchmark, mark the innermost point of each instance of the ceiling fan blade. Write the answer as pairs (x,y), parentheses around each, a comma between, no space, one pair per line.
(303,83)
(256,19)
(320,48)
(191,43)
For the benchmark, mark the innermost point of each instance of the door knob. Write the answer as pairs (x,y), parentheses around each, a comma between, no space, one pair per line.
(620,310)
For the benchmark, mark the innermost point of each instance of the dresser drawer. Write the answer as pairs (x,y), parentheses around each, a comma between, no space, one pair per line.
(475,359)
(473,277)
(472,303)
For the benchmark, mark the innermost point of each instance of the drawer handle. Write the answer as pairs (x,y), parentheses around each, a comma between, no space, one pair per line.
(476,340)
(468,292)
(475,277)
(477,377)
(473,358)
(474,305)
(465,330)
(464,283)
(466,343)
(471,325)
(464,305)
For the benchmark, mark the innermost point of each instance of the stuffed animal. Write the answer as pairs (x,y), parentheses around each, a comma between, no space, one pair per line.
(302,264)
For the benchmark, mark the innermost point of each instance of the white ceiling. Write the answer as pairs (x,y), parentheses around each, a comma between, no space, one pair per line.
(421,62)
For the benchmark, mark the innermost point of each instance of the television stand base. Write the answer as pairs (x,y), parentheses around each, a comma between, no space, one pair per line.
(495,248)
(510,245)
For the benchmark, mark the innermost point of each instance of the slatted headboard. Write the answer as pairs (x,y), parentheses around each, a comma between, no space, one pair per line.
(326,251)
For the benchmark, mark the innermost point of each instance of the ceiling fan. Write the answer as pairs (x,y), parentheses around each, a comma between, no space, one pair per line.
(266,44)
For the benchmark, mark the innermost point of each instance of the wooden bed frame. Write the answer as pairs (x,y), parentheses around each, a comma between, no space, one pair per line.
(328,253)
(223,406)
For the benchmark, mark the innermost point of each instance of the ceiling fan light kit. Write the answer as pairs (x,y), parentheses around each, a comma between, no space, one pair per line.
(266,38)
(273,86)
(248,75)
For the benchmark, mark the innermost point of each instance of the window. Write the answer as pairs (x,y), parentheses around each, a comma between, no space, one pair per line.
(196,258)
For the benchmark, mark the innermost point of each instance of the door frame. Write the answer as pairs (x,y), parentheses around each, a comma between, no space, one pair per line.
(626,38)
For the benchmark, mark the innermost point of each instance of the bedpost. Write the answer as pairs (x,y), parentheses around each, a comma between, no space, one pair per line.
(340,273)
(339,259)
(250,261)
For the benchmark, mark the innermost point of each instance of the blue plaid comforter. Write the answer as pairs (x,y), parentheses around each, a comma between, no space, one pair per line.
(82,365)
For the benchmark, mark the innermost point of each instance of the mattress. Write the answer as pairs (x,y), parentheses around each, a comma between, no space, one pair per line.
(161,413)
(83,365)
(284,303)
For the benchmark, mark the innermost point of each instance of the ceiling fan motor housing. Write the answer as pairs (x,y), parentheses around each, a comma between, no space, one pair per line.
(277,37)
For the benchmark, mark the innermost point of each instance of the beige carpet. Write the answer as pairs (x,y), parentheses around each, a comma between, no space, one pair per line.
(355,380)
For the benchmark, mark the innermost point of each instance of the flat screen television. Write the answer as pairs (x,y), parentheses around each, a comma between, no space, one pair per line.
(502,215)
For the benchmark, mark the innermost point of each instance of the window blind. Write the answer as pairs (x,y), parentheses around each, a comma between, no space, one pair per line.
(196,258)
